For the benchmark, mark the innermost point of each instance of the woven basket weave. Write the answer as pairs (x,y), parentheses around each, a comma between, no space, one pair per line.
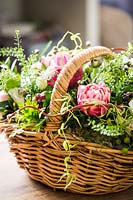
(94,169)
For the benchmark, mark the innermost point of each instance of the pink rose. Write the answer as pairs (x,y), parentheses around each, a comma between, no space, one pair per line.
(3,96)
(57,62)
(93,93)
(60,59)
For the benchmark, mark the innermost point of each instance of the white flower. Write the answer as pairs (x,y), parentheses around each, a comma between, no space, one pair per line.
(48,73)
(41,82)
(131,61)
(125,59)
(4,66)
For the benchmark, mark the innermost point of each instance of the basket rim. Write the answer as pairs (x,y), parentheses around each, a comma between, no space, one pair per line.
(48,134)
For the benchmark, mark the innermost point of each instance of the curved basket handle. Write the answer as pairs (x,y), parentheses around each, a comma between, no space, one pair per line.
(62,82)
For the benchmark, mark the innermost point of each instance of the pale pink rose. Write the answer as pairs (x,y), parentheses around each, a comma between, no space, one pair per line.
(60,59)
(93,93)
(45,60)
(3,96)
(56,62)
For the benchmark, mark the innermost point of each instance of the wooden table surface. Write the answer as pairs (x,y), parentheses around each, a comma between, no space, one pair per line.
(16,185)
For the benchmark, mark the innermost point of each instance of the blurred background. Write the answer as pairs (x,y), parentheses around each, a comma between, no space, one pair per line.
(102,22)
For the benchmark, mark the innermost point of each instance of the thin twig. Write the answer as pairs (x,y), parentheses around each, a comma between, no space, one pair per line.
(60,114)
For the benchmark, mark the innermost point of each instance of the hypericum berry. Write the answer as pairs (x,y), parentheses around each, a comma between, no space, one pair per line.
(39,97)
(127,96)
(118,141)
(125,150)
(36,51)
(127,140)
(96,62)
(125,67)
(28,96)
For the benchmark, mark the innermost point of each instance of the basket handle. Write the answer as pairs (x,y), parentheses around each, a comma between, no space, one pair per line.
(62,82)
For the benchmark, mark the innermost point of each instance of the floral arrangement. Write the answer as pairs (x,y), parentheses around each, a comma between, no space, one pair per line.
(100,94)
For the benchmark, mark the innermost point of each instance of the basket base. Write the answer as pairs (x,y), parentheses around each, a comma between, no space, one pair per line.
(46,165)
(25,188)
(88,169)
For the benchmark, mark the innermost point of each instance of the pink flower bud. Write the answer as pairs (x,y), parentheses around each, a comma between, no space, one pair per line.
(3,96)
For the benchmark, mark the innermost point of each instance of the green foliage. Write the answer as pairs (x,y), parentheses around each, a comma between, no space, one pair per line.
(116,72)
(9,79)
(18,52)
(30,117)
(114,123)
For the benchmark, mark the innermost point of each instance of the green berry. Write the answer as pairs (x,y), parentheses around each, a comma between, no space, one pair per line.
(125,150)
(127,140)
(118,141)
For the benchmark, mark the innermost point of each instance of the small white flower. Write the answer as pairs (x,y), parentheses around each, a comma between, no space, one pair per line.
(4,66)
(41,82)
(125,59)
(48,73)
(131,61)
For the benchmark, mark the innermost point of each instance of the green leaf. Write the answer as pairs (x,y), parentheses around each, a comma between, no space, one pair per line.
(69,180)
(66,145)
(12,83)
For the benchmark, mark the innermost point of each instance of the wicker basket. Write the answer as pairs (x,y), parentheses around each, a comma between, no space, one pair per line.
(93,169)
